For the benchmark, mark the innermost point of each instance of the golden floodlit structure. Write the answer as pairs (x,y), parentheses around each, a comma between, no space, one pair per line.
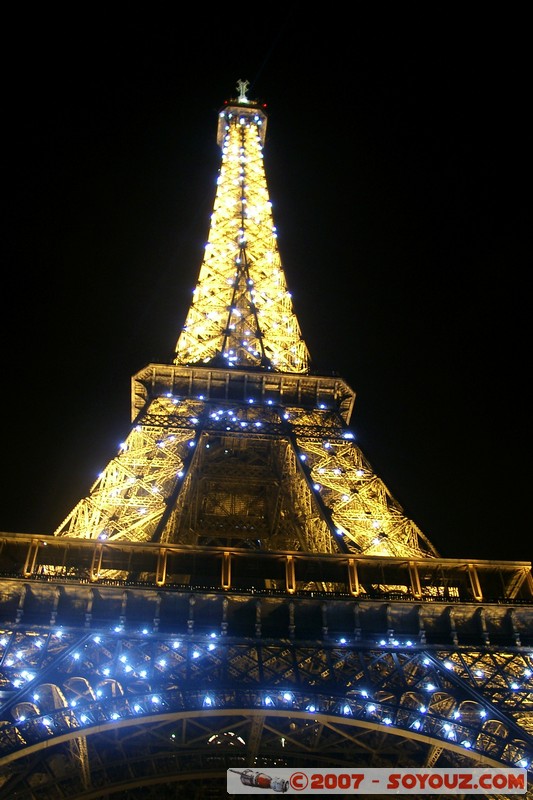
(239,590)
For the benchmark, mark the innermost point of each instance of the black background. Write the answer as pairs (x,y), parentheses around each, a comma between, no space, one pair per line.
(398,158)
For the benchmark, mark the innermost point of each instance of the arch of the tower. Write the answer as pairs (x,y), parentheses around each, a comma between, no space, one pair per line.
(154,704)
(159,737)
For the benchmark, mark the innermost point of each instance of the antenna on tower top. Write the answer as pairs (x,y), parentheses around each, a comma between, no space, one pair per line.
(242,88)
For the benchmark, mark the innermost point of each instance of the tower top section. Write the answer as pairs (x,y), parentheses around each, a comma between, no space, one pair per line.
(242,313)
(242,108)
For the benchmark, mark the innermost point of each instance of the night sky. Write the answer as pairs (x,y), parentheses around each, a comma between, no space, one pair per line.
(398,159)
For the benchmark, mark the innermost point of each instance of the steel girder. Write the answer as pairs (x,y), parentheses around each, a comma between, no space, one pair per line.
(136,709)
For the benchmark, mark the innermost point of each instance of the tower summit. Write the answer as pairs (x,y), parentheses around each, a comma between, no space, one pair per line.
(242,313)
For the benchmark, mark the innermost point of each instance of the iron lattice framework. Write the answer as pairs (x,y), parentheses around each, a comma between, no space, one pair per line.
(239,589)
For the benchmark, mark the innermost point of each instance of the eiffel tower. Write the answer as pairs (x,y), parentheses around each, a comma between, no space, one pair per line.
(239,589)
